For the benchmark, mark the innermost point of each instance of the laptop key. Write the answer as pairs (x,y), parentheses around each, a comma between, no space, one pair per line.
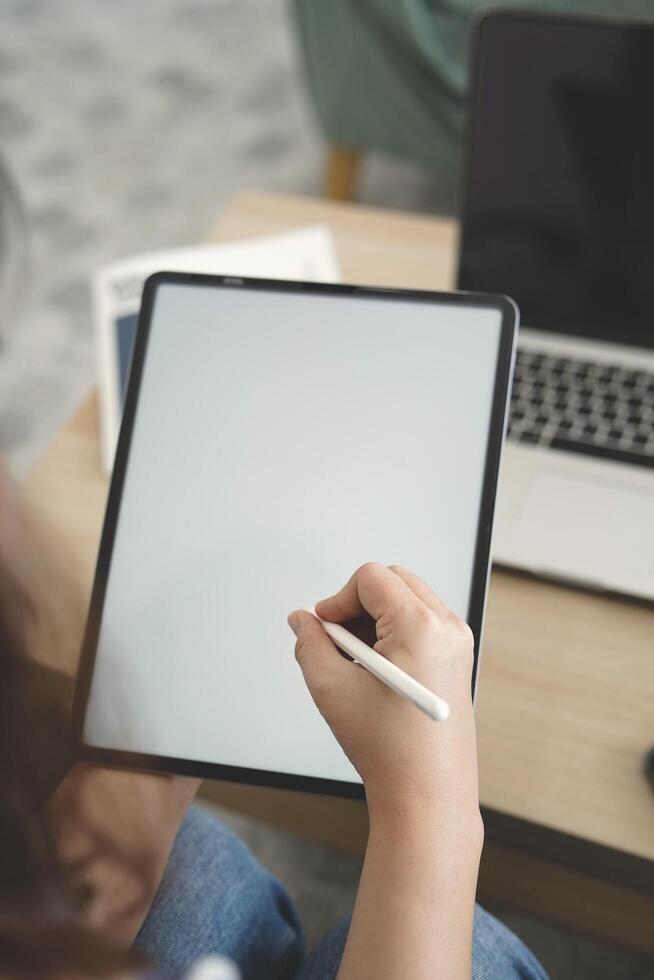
(605,409)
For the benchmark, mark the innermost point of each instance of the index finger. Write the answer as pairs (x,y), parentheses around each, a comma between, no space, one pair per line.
(421,589)
(373,589)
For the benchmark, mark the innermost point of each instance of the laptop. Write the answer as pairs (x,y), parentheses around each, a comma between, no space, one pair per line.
(558,212)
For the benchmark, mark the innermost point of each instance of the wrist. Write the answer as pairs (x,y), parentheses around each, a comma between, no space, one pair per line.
(411,823)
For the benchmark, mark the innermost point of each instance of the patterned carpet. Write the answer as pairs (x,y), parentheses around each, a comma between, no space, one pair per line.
(127,126)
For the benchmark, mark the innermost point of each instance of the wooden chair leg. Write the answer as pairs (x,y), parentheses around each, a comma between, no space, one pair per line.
(341,173)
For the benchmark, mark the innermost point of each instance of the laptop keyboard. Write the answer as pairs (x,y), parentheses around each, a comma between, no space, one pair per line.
(583,406)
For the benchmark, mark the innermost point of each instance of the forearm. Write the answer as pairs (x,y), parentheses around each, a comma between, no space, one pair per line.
(414,911)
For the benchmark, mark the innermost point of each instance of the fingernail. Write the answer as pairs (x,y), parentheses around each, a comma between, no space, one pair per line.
(294,622)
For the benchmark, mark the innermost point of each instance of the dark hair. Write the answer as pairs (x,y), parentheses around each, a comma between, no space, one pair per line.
(41,932)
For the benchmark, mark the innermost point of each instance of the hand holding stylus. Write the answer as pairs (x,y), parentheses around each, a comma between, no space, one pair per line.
(400,754)
(386,671)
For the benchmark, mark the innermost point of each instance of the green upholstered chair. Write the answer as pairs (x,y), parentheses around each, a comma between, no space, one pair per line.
(390,75)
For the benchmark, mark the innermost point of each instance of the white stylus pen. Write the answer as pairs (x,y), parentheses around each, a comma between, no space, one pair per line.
(385,671)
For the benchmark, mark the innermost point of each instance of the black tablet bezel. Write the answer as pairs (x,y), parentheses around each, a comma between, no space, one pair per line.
(481,563)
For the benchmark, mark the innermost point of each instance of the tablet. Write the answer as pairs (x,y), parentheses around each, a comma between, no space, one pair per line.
(276,436)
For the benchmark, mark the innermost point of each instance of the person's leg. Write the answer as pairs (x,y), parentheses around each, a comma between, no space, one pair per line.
(497,954)
(215,898)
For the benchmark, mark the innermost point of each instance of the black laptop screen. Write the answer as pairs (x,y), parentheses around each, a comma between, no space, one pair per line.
(559,203)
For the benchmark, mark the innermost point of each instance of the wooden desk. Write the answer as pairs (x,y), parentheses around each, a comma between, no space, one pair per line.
(565,704)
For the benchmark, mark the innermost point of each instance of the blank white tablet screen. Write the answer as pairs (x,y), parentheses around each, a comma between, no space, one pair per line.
(281,440)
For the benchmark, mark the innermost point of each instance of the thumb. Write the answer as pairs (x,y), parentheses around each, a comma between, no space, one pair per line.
(322,665)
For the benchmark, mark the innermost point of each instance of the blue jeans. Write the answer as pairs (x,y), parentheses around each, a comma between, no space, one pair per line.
(215,898)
